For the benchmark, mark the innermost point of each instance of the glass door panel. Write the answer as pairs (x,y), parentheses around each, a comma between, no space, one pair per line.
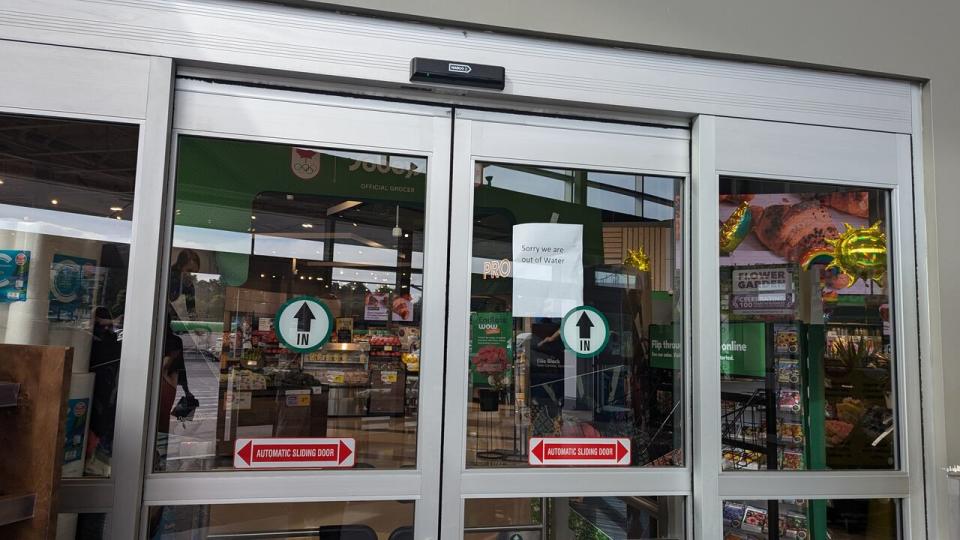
(565,364)
(546,241)
(300,350)
(568,518)
(253,233)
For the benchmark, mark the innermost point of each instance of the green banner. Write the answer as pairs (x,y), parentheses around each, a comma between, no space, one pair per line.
(665,348)
(743,349)
(219,180)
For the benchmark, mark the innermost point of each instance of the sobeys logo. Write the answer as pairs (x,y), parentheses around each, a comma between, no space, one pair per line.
(367,166)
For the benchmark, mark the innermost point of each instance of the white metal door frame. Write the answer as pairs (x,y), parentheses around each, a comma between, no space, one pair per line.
(558,143)
(75,82)
(767,150)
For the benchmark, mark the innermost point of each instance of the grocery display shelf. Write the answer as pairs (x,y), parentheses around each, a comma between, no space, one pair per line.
(738,443)
(346,347)
(14,508)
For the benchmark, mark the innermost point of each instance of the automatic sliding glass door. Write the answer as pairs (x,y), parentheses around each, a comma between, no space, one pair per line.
(565,411)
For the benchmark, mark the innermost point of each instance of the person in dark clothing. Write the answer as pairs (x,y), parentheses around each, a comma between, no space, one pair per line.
(173,370)
(105,363)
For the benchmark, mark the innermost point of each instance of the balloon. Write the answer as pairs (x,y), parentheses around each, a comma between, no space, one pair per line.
(822,255)
(637,259)
(860,253)
(735,228)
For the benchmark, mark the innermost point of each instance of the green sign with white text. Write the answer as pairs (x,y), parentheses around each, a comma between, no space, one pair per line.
(742,348)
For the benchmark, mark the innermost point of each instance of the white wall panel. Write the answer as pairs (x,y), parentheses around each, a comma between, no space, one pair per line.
(315,42)
(55,80)
(808,152)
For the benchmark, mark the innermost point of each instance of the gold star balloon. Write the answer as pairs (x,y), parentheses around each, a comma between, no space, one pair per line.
(637,259)
(860,253)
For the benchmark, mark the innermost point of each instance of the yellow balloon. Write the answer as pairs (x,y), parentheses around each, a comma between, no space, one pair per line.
(637,259)
(860,253)
(736,228)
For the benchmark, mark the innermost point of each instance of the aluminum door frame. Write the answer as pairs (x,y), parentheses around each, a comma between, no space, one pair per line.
(75,82)
(814,154)
(324,121)
(558,143)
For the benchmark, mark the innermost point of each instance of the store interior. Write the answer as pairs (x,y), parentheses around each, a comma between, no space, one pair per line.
(361,256)
(806,350)
(523,381)
(66,204)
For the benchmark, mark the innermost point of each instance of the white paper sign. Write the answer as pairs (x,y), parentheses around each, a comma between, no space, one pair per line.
(547,269)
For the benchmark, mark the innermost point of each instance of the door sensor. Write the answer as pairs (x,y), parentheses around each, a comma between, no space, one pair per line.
(428,70)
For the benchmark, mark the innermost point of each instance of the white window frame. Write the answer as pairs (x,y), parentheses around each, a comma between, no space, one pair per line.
(815,154)
(322,121)
(62,82)
(556,143)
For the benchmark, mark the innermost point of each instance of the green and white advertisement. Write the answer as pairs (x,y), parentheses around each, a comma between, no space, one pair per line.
(742,348)
(491,352)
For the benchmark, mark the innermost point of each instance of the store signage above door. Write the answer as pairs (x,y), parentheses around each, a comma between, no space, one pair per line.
(428,70)
(294,453)
(579,451)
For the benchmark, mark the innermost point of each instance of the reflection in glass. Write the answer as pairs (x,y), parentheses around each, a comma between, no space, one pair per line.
(546,241)
(839,519)
(359,520)
(83,526)
(807,346)
(573,517)
(257,225)
(66,198)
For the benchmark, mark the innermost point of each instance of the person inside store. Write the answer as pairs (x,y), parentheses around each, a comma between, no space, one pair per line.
(173,371)
(105,363)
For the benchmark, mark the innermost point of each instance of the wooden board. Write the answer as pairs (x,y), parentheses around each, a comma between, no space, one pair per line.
(32,433)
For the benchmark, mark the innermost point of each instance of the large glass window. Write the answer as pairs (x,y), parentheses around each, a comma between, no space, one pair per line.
(600,256)
(339,236)
(573,518)
(66,198)
(807,346)
(354,520)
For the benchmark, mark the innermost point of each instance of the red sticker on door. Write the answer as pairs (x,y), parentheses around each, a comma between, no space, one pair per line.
(294,453)
(579,451)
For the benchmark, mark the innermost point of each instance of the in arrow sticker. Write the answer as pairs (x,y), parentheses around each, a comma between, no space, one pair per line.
(303,324)
(585,331)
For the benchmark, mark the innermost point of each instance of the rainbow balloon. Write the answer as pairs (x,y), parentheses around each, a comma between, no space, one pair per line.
(736,228)
(816,256)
